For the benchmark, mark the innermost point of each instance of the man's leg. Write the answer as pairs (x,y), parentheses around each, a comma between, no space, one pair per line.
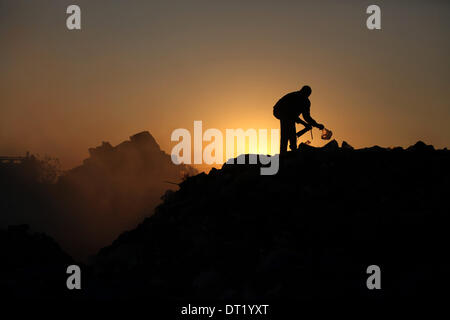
(283,136)
(291,136)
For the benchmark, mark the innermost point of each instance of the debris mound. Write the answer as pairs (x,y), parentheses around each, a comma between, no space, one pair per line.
(310,231)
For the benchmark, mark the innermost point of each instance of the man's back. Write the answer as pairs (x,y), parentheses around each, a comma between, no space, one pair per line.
(291,106)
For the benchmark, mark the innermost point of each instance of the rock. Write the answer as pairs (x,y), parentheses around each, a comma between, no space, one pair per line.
(305,146)
(346,146)
(374,149)
(331,146)
(420,146)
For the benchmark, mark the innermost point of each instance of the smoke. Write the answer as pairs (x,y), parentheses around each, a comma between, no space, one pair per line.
(90,205)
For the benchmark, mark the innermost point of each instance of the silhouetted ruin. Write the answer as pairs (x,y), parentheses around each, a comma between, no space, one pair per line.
(90,205)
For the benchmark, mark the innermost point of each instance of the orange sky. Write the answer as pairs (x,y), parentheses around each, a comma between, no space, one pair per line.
(160,65)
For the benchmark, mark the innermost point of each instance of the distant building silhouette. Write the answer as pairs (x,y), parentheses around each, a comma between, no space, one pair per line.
(11,160)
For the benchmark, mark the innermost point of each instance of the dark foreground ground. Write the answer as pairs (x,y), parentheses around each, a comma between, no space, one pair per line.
(308,232)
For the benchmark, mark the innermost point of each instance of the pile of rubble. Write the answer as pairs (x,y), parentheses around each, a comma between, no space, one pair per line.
(310,231)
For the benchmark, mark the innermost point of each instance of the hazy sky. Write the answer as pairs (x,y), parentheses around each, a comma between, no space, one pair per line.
(160,65)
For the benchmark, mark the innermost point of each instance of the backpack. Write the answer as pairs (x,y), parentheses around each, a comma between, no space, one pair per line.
(276,112)
(282,109)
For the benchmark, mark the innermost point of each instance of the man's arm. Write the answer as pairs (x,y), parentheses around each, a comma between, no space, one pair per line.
(300,121)
(311,121)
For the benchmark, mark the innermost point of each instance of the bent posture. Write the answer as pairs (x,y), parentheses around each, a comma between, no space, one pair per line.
(288,110)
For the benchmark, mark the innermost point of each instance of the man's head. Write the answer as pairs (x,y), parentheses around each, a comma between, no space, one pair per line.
(306,91)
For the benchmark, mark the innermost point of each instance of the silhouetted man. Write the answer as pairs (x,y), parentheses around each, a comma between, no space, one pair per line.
(288,110)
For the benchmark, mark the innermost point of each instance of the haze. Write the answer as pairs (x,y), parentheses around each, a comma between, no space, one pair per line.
(160,65)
